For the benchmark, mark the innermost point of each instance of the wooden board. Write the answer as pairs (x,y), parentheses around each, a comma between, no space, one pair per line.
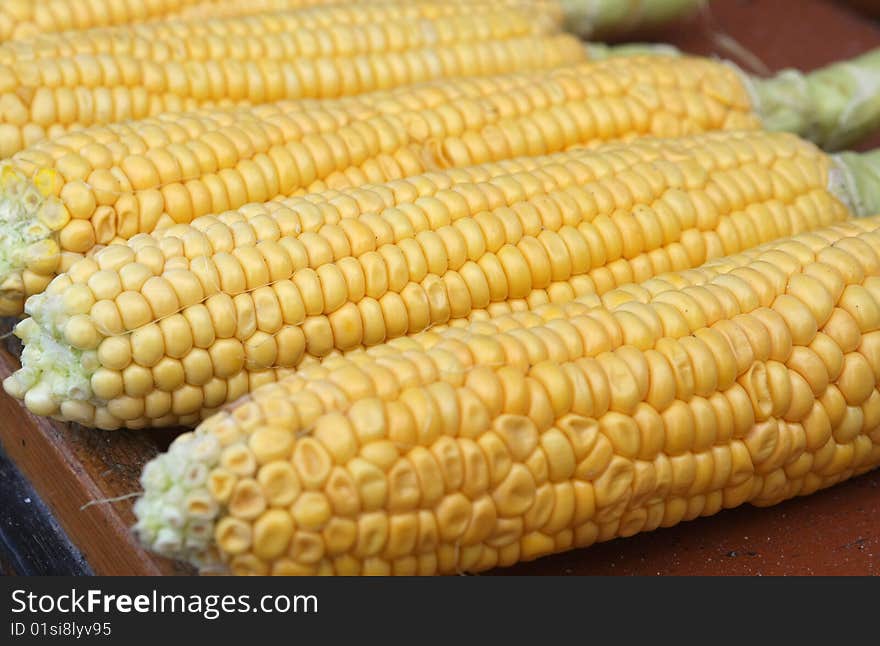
(832,532)
(73,469)
(31,542)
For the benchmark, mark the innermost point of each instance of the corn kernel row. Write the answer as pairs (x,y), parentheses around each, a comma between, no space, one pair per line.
(473,450)
(25,18)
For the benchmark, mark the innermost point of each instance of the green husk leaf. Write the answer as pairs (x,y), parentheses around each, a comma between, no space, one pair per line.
(855,180)
(835,106)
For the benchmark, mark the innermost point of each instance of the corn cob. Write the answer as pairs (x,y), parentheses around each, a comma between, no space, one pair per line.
(165,329)
(88,89)
(331,31)
(495,444)
(603,19)
(104,184)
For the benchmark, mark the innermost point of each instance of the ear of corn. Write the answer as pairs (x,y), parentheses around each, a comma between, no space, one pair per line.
(486,446)
(22,19)
(868,6)
(109,183)
(169,327)
(320,32)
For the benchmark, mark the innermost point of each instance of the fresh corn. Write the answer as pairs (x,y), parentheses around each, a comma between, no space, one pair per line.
(44,96)
(868,6)
(331,31)
(167,328)
(109,183)
(482,447)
